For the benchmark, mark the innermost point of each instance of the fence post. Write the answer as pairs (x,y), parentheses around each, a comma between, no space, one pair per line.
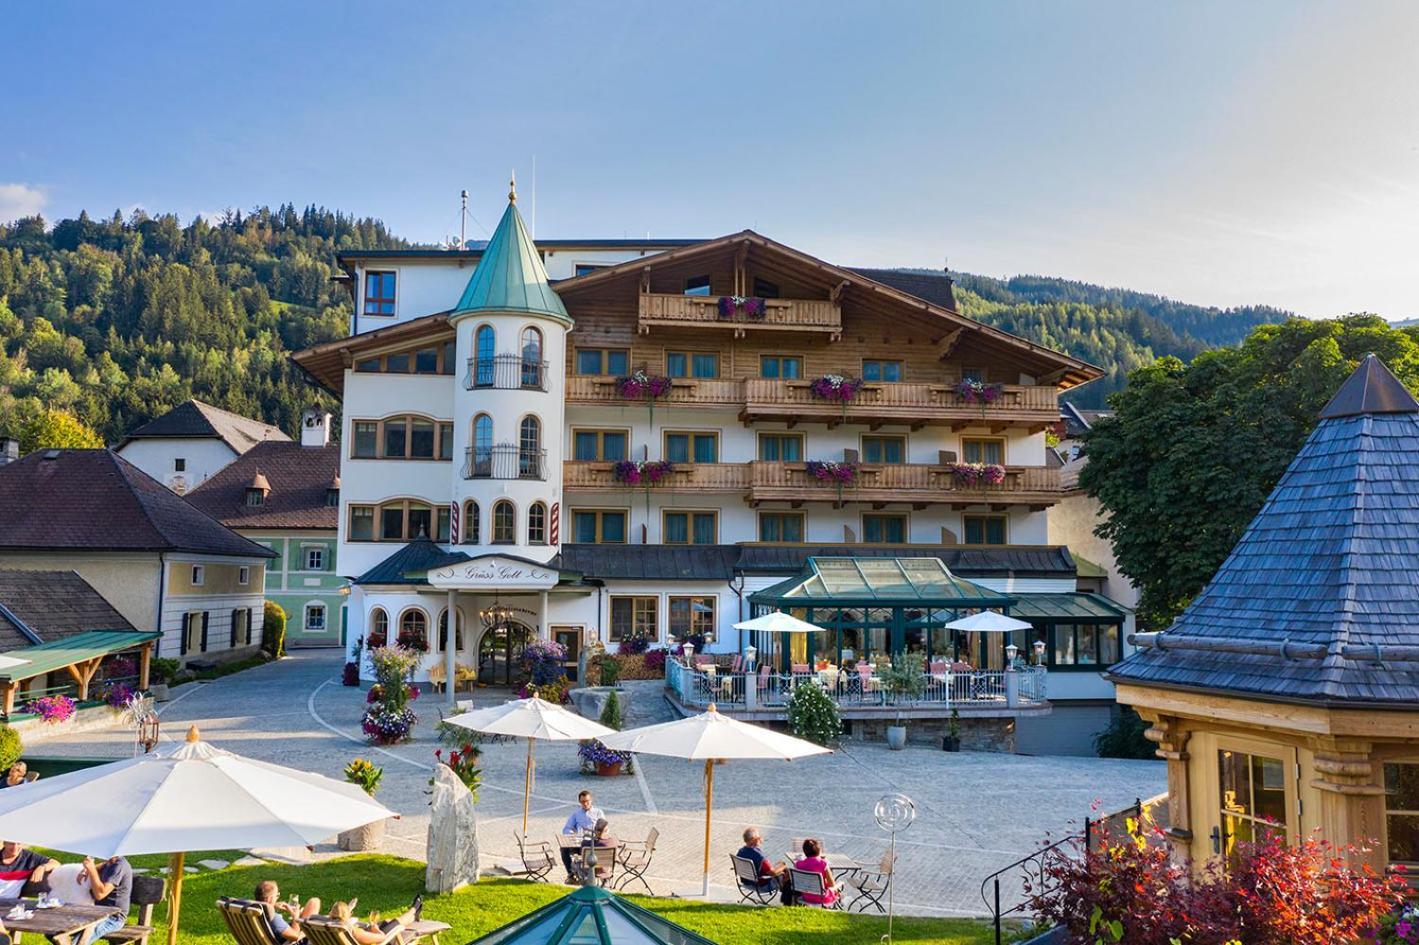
(997,911)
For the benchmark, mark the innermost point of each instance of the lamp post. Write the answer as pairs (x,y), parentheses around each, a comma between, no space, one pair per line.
(1011,651)
(1039,652)
(751,655)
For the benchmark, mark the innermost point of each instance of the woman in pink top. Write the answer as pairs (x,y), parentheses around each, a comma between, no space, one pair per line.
(813,862)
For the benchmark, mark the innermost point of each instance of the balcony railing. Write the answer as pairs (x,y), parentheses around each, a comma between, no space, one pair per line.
(945,688)
(506,372)
(684,392)
(685,477)
(704,311)
(504,462)
(908,482)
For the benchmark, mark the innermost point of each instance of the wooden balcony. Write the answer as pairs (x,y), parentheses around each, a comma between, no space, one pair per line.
(917,484)
(912,404)
(701,478)
(662,310)
(684,392)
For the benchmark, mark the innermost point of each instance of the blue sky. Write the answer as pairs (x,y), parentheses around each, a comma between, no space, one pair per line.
(1221,153)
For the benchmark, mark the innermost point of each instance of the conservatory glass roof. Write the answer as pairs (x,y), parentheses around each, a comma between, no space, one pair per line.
(881,581)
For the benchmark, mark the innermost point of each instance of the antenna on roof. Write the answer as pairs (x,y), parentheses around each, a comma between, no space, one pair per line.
(463,220)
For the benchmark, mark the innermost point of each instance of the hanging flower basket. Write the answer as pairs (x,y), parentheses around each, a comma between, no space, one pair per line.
(835,387)
(642,473)
(642,386)
(977,392)
(978,474)
(748,306)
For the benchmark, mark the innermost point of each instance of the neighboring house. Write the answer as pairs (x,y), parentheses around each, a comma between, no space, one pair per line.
(286,497)
(490,458)
(192,442)
(161,563)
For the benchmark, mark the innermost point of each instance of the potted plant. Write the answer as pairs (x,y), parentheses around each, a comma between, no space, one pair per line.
(463,762)
(605,762)
(905,681)
(362,773)
(951,741)
(161,673)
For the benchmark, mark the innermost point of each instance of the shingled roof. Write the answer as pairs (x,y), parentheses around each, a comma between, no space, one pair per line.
(95,500)
(43,606)
(195,420)
(1322,582)
(936,287)
(299,477)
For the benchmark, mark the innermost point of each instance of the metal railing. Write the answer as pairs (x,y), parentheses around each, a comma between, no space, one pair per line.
(506,372)
(504,462)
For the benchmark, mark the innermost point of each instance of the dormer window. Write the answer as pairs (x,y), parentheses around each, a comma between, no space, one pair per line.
(258,490)
(379,293)
(255,497)
(332,497)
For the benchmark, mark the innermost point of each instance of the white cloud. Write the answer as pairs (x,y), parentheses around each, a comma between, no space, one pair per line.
(20,200)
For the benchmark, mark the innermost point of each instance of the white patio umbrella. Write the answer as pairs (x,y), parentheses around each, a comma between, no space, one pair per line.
(189,797)
(534,719)
(988,621)
(711,737)
(777,622)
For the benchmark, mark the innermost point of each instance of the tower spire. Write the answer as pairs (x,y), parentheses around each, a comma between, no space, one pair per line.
(512,188)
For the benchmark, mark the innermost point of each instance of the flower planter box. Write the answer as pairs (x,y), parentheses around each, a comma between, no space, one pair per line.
(608,771)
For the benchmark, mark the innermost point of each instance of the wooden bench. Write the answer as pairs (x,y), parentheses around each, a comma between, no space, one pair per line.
(148,891)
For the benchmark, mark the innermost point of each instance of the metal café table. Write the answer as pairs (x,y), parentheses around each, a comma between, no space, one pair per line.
(63,925)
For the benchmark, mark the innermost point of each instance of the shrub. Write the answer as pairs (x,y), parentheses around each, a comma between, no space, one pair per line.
(11,747)
(905,678)
(636,643)
(118,695)
(350,676)
(1124,737)
(558,691)
(365,774)
(608,670)
(611,712)
(654,662)
(813,715)
(163,670)
(273,630)
(463,762)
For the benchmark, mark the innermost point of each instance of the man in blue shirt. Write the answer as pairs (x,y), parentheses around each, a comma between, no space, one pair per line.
(582,819)
(769,874)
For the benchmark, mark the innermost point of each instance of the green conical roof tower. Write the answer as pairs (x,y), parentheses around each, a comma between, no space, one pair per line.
(510,276)
(592,916)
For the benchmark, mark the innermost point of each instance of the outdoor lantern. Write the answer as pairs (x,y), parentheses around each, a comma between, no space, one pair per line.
(1011,651)
(751,653)
(1039,652)
(689,649)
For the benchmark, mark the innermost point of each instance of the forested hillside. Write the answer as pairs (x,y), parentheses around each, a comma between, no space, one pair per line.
(117,321)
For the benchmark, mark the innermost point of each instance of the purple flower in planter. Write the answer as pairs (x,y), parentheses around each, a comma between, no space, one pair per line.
(973,391)
(750,306)
(971,474)
(840,473)
(598,754)
(835,387)
(642,386)
(53,709)
(634,473)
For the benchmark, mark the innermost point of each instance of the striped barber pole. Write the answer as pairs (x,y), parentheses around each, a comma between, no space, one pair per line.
(455,535)
(556,523)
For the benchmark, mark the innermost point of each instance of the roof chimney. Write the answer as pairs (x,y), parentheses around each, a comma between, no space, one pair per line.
(315,427)
(9,449)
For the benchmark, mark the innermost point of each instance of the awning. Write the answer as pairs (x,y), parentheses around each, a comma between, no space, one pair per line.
(1076,607)
(81,647)
(879,582)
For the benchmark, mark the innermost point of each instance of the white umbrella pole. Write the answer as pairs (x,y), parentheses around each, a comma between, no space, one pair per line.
(709,803)
(175,872)
(527,785)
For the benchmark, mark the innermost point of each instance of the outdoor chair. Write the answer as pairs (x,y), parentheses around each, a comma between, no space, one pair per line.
(812,884)
(800,669)
(606,859)
(871,885)
(147,892)
(736,664)
(635,858)
(246,920)
(753,888)
(538,857)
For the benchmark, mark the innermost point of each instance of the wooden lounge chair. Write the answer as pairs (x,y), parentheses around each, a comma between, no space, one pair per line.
(147,892)
(812,884)
(753,888)
(635,857)
(538,858)
(247,920)
(323,930)
(871,885)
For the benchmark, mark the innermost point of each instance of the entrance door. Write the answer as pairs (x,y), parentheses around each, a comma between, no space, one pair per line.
(500,653)
(570,637)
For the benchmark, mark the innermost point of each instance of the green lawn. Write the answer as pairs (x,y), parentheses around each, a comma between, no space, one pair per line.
(388,884)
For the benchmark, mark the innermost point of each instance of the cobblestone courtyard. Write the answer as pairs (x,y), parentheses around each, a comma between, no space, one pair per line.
(976,812)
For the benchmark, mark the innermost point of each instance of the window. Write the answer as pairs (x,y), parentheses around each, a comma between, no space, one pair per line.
(379,293)
(884,449)
(315,559)
(194,632)
(179,464)
(397,363)
(599,526)
(532,358)
(315,618)
(976,449)
(880,529)
(984,529)
(426,361)
(366,439)
(402,438)
(504,523)
(599,445)
(1253,795)
(765,289)
(399,520)
(255,497)
(470,522)
(692,616)
(332,497)
(1402,811)
(413,629)
(612,362)
(457,631)
(876,370)
(697,285)
(361,523)
(701,364)
(634,617)
(782,526)
(379,627)
(690,528)
(1085,644)
(976,374)
(582,269)
(241,627)
(369,365)
(243,576)
(529,453)
(485,341)
(692,447)
(778,366)
(537,524)
(781,447)
(199,575)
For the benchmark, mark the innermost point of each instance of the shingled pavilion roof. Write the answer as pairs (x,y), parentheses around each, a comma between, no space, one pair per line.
(1319,601)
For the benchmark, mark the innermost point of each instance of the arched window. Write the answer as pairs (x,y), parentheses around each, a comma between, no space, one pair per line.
(379,628)
(532,358)
(457,634)
(414,629)
(480,463)
(470,522)
(529,452)
(504,523)
(537,524)
(484,341)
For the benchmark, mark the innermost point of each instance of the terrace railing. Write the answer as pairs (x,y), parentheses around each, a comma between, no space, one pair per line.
(506,461)
(506,372)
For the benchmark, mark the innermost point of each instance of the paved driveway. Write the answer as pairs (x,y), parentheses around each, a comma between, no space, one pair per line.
(976,812)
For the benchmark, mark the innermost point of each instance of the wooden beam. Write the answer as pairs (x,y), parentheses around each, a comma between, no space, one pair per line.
(7,697)
(836,295)
(1053,377)
(145,663)
(947,344)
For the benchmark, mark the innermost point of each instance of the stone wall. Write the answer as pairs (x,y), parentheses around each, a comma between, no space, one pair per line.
(976,734)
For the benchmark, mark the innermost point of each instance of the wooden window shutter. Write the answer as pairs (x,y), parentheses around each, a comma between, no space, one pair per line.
(205,615)
(182,638)
(250,616)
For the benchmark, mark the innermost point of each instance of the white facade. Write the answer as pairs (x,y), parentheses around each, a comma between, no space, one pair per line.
(180,463)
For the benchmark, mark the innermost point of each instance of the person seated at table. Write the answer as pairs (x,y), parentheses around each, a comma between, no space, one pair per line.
(584,818)
(269,895)
(771,875)
(599,838)
(812,861)
(16,775)
(110,884)
(21,868)
(365,932)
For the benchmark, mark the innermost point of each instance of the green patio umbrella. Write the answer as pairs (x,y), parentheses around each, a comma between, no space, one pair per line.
(591,916)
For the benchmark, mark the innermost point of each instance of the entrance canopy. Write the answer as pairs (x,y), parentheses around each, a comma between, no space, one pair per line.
(879,582)
(80,654)
(494,573)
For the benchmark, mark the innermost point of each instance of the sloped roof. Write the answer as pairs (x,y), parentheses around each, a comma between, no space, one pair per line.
(414,558)
(591,916)
(650,562)
(194,419)
(843,581)
(510,276)
(1323,579)
(40,606)
(95,500)
(299,478)
(935,287)
(54,655)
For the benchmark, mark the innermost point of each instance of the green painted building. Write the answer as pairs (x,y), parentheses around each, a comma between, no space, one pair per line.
(286,496)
